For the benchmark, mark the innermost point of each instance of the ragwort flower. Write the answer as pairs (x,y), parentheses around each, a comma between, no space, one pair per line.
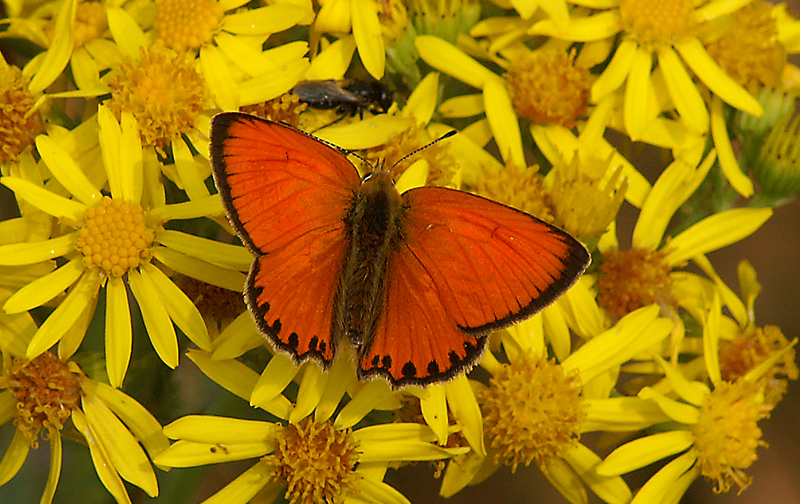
(112,247)
(314,458)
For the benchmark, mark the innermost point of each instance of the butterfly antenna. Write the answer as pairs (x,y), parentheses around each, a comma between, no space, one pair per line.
(443,137)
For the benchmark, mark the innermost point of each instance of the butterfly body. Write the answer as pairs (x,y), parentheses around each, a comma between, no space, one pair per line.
(372,227)
(412,282)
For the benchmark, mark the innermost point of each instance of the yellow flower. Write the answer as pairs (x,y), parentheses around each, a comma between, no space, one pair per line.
(45,395)
(319,458)
(115,237)
(641,275)
(670,33)
(714,431)
(533,87)
(535,409)
(361,17)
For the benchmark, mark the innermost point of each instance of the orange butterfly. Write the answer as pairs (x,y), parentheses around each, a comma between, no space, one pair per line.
(414,281)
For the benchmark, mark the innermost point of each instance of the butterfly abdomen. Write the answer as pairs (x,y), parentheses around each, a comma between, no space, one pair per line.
(372,225)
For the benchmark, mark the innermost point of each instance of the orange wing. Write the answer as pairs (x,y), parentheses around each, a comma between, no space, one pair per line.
(467,266)
(286,194)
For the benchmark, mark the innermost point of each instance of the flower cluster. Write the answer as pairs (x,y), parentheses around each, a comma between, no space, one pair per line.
(120,276)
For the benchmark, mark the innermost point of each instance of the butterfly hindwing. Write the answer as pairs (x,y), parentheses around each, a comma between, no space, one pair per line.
(467,266)
(286,194)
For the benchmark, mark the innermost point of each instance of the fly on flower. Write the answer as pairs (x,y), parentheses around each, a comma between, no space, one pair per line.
(413,282)
(349,97)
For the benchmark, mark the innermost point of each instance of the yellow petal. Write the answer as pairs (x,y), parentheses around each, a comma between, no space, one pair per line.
(44,200)
(719,82)
(156,319)
(422,101)
(45,288)
(101,459)
(216,429)
(373,395)
(616,72)
(188,453)
(715,232)
(219,79)
(239,337)
(463,106)
(201,270)
(277,375)
(674,186)
(66,170)
(246,486)
(58,54)
(238,379)
(126,32)
(683,91)
(118,335)
(273,84)
(638,331)
(333,61)
(367,33)
(14,457)
(191,178)
(64,316)
(123,450)
(678,411)
(636,113)
(130,161)
(621,414)
(334,17)
(583,29)
(447,58)
(645,451)
(312,385)
(264,20)
(56,458)
(341,377)
(727,159)
(504,122)
(141,422)
(584,461)
(464,406)
(223,254)
(659,484)
(434,410)
(180,308)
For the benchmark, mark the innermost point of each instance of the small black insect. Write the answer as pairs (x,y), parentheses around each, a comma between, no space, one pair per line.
(349,97)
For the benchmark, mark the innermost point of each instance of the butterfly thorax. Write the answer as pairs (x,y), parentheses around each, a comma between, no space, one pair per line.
(373,229)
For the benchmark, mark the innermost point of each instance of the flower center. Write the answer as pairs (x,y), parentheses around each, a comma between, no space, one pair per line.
(585,207)
(631,279)
(16,131)
(315,460)
(727,434)
(531,412)
(46,393)
(442,164)
(521,188)
(114,237)
(656,22)
(90,22)
(749,51)
(163,90)
(187,24)
(212,302)
(737,357)
(285,108)
(547,88)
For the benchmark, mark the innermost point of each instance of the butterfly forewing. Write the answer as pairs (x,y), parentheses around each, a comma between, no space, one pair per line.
(286,194)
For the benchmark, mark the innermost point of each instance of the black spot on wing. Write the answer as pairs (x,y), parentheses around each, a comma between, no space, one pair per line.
(275,332)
